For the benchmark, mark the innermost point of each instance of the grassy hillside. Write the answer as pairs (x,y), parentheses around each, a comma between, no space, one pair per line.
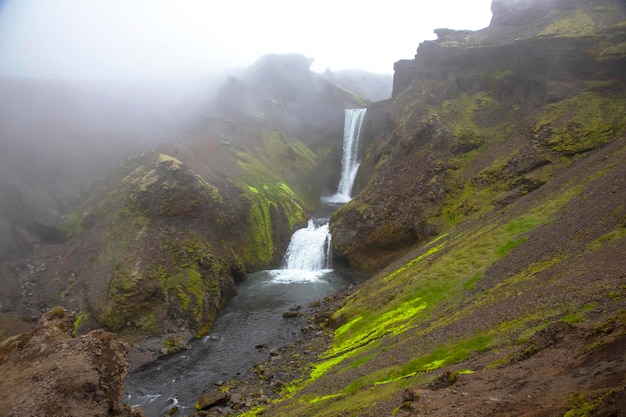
(492,219)
(477,302)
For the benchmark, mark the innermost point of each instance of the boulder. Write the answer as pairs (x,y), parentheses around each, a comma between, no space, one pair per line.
(212,399)
(51,373)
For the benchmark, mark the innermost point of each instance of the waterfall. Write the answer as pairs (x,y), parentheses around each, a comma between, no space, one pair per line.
(350,161)
(309,249)
(308,256)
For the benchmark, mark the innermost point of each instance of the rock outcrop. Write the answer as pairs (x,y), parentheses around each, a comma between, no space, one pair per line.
(49,372)
(478,119)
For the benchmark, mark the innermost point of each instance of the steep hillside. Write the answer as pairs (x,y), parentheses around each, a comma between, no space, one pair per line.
(480,119)
(158,248)
(492,220)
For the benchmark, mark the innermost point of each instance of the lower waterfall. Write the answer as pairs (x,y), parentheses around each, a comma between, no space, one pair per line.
(308,256)
(309,249)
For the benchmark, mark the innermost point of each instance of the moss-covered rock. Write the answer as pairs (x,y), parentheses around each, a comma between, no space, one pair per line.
(479,119)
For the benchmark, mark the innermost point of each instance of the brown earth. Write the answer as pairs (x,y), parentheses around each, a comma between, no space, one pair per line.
(48,372)
(563,367)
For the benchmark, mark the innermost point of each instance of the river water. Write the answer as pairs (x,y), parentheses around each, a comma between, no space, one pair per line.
(254,317)
(251,318)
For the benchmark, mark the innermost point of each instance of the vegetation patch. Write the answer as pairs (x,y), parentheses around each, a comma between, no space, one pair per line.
(579,23)
(582,123)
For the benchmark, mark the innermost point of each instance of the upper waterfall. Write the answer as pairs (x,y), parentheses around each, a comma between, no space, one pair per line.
(350,161)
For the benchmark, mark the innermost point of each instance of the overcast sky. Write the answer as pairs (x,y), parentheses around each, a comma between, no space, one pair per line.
(129,38)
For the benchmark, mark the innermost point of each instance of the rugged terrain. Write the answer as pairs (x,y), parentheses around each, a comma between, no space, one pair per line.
(51,372)
(491,215)
(490,220)
(157,249)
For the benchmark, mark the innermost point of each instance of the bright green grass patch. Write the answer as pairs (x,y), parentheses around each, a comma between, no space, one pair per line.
(321,368)
(508,246)
(253,412)
(357,363)
(376,326)
(436,359)
(82,316)
(341,405)
(424,286)
(418,259)
(525,335)
(428,285)
(578,316)
(469,284)
(313,399)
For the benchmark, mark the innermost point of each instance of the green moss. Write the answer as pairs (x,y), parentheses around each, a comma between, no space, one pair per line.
(579,23)
(189,287)
(618,233)
(141,294)
(468,201)
(583,122)
(578,315)
(259,248)
(148,324)
(429,252)
(82,316)
(614,51)
(391,322)
(579,406)
(73,224)
(469,284)
(525,335)
(272,163)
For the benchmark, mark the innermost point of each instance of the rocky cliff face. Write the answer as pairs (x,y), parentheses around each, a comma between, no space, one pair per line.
(49,372)
(480,118)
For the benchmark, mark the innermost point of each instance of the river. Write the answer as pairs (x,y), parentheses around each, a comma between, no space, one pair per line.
(251,323)
(253,317)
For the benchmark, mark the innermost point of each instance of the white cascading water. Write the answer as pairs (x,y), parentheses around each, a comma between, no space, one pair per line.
(309,249)
(308,256)
(350,160)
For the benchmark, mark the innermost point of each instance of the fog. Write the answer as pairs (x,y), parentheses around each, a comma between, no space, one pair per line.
(152,38)
(86,83)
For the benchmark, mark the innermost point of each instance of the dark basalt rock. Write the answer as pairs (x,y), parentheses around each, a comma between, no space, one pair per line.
(451,108)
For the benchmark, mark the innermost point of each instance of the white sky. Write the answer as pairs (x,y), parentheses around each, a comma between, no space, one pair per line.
(129,38)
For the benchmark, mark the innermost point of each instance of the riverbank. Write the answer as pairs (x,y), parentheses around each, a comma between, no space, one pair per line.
(269,312)
(266,381)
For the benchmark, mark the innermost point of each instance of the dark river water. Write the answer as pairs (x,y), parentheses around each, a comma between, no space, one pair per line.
(253,317)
